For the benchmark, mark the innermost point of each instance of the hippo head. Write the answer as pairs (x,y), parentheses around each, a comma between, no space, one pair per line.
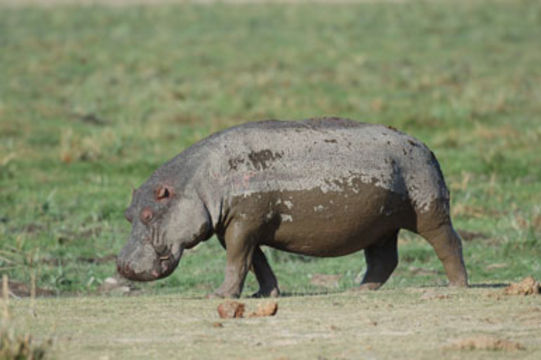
(163,225)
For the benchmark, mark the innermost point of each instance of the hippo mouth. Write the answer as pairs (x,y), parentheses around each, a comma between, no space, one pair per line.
(168,263)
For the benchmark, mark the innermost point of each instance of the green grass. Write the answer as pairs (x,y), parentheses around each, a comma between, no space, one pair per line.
(93,99)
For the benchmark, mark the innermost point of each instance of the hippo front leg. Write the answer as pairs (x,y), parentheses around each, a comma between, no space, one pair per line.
(268,285)
(239,246)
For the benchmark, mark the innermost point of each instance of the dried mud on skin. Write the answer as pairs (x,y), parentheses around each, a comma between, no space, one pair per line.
(235,309)
(528,286)
(483,342)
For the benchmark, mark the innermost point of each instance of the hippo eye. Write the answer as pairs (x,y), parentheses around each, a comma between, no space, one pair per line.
(163,192)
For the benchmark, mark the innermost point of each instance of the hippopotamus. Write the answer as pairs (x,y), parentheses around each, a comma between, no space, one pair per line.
(323,187)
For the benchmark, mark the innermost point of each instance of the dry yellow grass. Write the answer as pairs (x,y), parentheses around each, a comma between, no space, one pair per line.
(414,323)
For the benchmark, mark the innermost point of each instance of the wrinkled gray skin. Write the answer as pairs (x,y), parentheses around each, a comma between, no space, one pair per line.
(320,187)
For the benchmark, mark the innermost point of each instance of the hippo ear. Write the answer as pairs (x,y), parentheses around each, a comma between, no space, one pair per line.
(163,192)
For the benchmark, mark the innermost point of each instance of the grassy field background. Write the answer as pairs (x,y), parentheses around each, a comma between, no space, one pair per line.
(95,98)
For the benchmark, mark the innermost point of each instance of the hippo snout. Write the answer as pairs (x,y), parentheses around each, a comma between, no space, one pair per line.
(143,263)
(138,262)
(127,271)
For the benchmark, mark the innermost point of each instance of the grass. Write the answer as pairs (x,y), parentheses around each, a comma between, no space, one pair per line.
(20,347)
(93,99)
(388,324)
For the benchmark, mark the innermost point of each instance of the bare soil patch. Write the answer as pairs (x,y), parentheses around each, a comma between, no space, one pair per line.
(385,324)
(483,342)
(20,289)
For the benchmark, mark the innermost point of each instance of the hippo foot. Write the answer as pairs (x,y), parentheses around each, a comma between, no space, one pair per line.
(459,284)
(369,286)
(272,293)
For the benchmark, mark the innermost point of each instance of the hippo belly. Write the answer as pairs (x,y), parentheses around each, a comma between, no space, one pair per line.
(333,223)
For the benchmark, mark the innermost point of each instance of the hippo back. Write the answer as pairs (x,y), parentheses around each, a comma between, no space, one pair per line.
(329,154)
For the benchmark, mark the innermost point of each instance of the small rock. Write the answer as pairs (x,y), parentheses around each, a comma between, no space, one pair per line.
(231,309)
(266,309)
(528,286)
(109,284)
(235,309)
(116,286)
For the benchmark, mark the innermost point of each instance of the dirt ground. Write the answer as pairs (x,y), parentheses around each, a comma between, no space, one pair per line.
(420,323)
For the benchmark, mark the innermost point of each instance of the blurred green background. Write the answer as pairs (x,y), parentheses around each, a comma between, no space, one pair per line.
(95,98)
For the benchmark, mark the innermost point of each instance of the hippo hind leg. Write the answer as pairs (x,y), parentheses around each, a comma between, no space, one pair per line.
(268,285)
(381,260)
(448,247)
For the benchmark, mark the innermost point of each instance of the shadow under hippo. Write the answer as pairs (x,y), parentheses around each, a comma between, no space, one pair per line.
(321,187)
